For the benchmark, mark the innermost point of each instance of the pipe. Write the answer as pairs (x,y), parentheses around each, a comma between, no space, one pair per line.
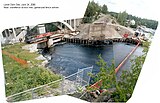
(126,58)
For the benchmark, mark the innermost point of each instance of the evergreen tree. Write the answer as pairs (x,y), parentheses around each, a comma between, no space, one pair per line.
(92,12)
(104,9)
(122,18)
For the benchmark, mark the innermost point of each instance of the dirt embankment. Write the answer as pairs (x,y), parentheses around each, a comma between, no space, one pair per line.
(105,27)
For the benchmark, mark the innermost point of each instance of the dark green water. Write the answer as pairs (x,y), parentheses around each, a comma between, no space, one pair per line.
(67,58)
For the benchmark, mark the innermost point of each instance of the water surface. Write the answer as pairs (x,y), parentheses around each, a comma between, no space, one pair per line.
(67,58)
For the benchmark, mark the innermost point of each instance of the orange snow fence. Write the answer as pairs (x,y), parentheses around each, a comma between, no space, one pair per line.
(21,61)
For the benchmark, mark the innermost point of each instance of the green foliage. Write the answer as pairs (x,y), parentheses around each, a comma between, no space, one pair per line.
(114,14)
(145,47)
(19,78)
(128,79)
(22,97)
(138,21)
(94,9)
(50,27)
(146,22)
(104,9)
(106,74)
(122,18)
(87,19)
(79,89)
(124,86)
(92,12)
(33,31)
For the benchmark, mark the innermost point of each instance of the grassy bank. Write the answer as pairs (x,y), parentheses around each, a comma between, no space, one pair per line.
(18,77)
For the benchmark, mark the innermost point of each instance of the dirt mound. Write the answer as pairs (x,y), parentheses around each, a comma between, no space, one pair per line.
(103,28)
(103,31)
(106,19)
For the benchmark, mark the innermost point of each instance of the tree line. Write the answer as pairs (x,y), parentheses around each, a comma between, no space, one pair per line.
(94,9)
(123,16)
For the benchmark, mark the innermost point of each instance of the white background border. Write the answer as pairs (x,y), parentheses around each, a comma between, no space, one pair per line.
(148,85)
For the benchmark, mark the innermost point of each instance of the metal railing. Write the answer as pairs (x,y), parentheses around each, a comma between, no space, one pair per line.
(66,85)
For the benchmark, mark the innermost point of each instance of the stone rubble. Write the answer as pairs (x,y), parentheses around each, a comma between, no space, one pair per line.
(40,58)
(31,47)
